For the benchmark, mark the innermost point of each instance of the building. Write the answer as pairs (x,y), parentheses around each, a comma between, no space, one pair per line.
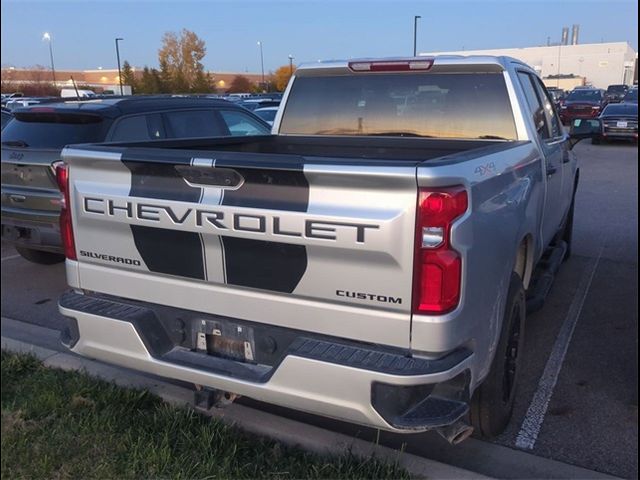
(597,64)
(104,79)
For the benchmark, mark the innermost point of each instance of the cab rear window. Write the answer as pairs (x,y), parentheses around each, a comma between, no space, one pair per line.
(469,106)
(51,131)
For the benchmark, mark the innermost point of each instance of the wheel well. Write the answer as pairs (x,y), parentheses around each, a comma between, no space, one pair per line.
(524,259)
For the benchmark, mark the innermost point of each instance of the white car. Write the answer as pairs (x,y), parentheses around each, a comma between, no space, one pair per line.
(268,114)
(20,102)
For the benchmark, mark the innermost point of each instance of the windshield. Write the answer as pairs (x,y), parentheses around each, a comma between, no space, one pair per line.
(587,95)
(267,115)
(34,134)
(621,109)
(466,106)
(556,94)
(617,89)
(631,96)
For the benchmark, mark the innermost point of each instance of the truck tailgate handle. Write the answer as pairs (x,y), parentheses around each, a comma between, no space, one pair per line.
(17,198)
(210,176)
(551,170)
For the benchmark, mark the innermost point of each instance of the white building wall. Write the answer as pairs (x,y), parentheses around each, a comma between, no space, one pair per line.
(602,64)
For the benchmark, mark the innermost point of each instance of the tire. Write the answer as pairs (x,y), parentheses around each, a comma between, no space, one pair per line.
(567,231)
(40,257)
(492,402)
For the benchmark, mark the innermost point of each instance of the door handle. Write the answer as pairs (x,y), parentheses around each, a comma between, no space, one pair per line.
(17,198)
(551,170)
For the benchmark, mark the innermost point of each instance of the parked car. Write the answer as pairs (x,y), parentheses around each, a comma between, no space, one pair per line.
(10,96)
(269,95)
(21,102)
(557,94)
(6,116)
(619,122)
(582,103)
(268,114)
(367,262)
(615,93)
(631,96)
(32,142)
(75,93)
(254,103)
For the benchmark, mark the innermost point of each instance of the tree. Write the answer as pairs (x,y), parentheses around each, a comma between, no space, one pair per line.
(281,77)
(128,76)
(149,83)
(166,82)
(240,84)
(182,57)
(203,84)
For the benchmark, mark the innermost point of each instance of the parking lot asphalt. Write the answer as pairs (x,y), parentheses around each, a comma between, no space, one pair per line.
(581,347)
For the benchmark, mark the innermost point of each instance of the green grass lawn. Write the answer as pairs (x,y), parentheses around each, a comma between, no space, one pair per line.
(58,424)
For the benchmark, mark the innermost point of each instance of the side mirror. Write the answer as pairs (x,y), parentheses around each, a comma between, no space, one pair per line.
(582,128)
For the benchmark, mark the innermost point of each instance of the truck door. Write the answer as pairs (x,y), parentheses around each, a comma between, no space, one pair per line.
(552,149)
(559,137)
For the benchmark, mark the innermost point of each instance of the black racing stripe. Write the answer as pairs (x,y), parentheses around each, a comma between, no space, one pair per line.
(172,252)
(270,189)
(155,156)
(265,265)
(260,264)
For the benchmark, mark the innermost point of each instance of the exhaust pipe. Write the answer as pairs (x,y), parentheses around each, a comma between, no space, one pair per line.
(456,432)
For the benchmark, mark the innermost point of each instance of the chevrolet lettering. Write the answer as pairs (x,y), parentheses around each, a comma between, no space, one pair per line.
(221,220)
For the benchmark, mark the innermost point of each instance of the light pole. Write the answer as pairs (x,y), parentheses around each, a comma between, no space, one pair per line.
(47,37)
(118,57)
(261,62)
(290,65)
(415,33)
(559,56)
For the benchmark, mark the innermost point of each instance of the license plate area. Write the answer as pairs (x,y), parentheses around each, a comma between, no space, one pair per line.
(621,124)
(225,340)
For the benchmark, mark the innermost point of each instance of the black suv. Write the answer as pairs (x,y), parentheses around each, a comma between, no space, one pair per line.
(33,140)
(615,93)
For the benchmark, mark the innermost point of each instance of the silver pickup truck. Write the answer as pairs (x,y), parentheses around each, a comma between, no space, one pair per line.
(372,260)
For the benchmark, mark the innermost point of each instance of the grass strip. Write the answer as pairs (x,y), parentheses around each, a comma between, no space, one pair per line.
(58,424)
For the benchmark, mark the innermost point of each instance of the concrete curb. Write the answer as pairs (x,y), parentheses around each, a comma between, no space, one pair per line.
(287,431)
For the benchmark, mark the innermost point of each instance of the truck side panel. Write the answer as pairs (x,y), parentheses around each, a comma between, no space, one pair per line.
(507,194)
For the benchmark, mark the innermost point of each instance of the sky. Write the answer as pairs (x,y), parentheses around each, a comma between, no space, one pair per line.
(83,32)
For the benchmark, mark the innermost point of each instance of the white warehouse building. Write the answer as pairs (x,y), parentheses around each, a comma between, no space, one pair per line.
(598,64)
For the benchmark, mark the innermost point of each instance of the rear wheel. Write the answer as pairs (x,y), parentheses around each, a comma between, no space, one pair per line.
(492,402)
(38,256)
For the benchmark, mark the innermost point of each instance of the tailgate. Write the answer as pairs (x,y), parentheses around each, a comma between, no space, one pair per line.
(278,239)
(28,181)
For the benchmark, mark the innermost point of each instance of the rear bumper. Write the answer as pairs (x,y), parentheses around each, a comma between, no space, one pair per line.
(566,116)
(626,134)
(358,383)
(39,230)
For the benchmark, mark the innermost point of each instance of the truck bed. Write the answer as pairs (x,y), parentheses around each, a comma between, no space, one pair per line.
(409,149)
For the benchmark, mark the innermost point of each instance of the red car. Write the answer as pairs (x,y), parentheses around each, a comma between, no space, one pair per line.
(582,103)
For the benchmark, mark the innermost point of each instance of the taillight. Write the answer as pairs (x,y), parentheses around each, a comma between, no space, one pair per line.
(66,229)
(438,267)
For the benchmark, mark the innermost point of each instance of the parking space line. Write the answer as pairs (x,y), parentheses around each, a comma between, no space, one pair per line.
(10,257)
(534,418)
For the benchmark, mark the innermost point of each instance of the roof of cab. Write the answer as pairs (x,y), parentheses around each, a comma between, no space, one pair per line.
(118,106)
(441,63)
